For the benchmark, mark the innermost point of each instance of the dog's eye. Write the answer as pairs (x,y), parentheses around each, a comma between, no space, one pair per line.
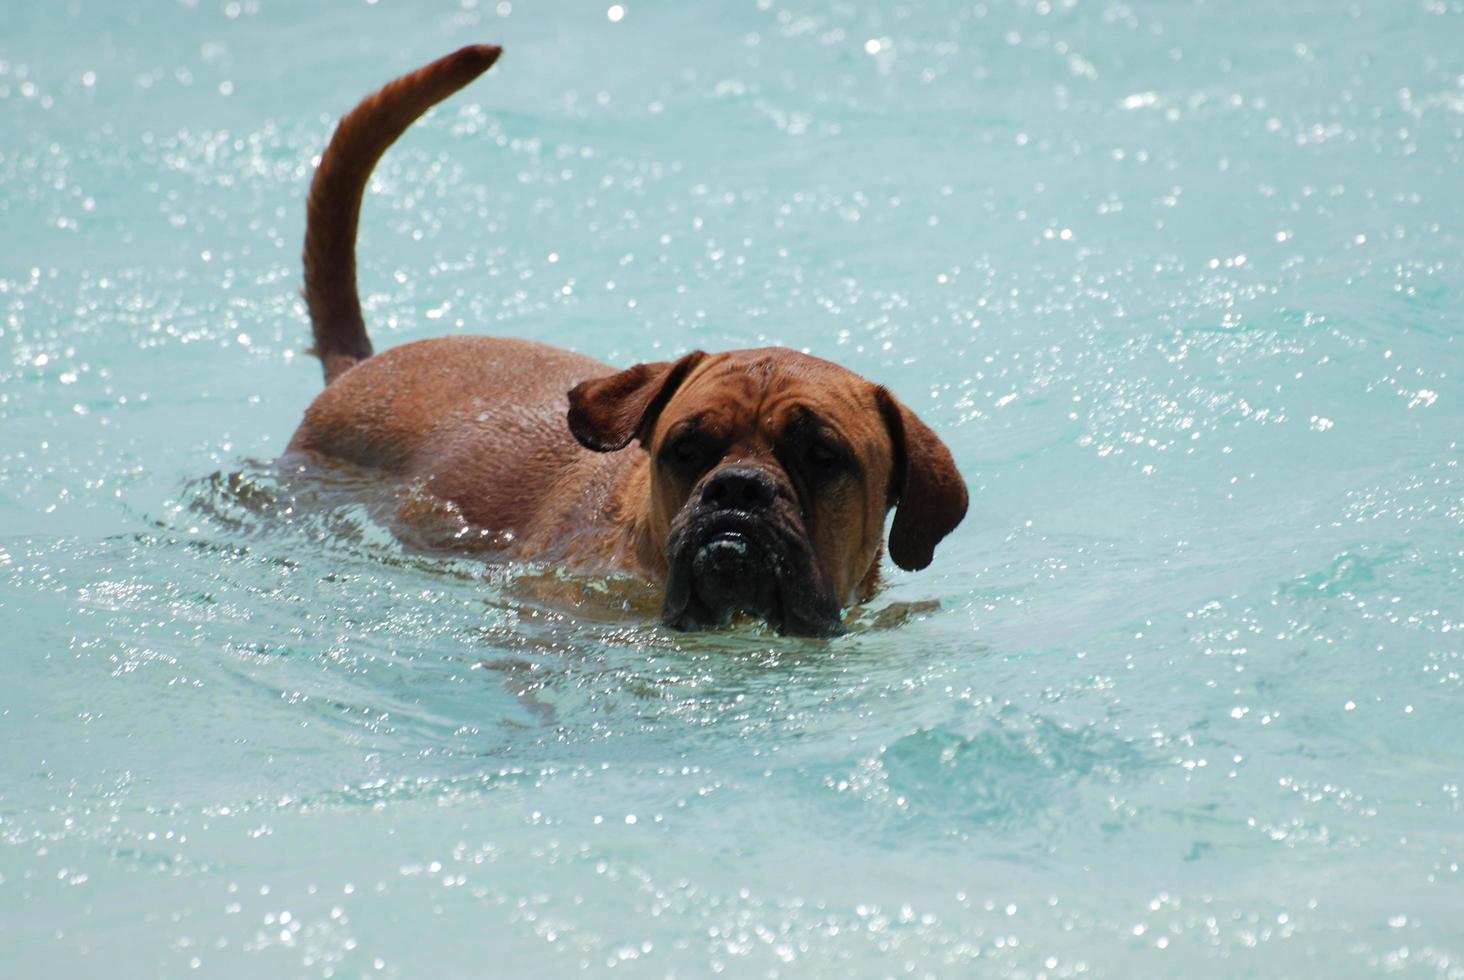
(823,456)
(685,453)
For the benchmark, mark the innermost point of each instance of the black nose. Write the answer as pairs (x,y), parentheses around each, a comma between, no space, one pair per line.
(739,488)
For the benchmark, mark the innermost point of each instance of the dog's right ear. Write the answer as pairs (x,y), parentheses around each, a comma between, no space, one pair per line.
(606,413)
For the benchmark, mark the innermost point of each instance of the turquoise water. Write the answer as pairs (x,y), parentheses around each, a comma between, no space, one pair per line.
(1179,283)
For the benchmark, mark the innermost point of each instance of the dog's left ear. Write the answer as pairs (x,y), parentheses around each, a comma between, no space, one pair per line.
(930,492)
(606,413)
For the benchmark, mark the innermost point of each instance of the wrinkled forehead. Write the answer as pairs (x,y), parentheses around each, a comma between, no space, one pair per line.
(765,391)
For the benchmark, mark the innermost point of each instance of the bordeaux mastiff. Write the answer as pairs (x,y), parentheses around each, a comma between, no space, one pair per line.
(758,480)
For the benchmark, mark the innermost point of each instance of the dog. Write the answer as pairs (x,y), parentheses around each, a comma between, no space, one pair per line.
(758,483)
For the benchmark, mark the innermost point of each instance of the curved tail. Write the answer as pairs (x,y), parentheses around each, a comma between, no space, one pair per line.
(334,207)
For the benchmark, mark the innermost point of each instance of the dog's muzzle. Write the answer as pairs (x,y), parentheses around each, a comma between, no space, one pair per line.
(739,545)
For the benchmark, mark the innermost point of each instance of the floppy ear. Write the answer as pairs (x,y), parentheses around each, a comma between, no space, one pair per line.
(606,413)
(931,494)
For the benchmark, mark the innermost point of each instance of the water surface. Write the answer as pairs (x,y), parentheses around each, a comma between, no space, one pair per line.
(1178,282)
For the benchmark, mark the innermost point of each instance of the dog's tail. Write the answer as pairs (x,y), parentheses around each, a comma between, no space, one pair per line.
(334,208)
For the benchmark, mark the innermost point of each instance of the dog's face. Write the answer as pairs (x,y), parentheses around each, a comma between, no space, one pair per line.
(770,476)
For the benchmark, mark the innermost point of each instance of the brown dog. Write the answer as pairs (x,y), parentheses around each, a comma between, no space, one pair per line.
(762,477)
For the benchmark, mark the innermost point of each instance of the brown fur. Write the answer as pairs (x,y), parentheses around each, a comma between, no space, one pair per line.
(530,441)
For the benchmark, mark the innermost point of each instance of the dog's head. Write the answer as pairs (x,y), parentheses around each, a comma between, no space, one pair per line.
(771,473)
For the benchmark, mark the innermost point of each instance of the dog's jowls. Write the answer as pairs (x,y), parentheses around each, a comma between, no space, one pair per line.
(750,481)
